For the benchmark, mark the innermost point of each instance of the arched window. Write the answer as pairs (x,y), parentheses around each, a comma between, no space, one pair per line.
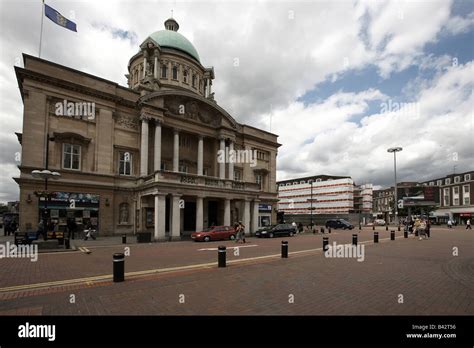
(185,76)
(175,73)
(194,81)
(164,70)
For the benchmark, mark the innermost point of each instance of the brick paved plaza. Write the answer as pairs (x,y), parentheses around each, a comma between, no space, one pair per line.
(178,278)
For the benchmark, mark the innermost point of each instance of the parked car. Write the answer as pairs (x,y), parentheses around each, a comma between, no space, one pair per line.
(276,230)
(379,222)
(339,223)
(214,233)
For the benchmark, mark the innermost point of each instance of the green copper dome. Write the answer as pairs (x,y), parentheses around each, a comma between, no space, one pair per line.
(172,39)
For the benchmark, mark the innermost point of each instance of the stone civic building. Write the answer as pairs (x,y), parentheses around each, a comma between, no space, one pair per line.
(142,157)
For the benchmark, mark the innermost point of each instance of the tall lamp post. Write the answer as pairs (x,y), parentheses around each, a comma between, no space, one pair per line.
(46,174)
(311,206)
(394,150)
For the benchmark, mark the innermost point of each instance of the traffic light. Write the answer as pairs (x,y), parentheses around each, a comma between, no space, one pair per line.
(400,204)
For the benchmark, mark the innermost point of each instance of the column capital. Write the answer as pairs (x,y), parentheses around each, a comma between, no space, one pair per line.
(158,122)
(145,117)
(156,193)
(176,130)
(177,195)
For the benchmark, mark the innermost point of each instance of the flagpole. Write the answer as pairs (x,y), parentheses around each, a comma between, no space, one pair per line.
(41,31)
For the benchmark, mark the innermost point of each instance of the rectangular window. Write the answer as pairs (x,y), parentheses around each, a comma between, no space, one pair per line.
(194,81)
(258,179)
(465,189)
(467,200)
(164,71)
(455,190)
(183,168)
(125,163)
(205,171)
(237,176)
(447,181)
(163,165)
(467,177)
(456,201)
(185,76)
(439,182)
(446,196)
(71,156)
(175,73)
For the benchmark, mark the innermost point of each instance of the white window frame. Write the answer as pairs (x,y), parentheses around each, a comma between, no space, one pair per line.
(130,162)
(446,194)
(63,155)
(439,182)
(447,181)
(467,177)
(432,183)
(457,179)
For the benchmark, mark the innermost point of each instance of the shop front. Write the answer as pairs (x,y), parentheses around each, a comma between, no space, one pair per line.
(264,215)
(61,206)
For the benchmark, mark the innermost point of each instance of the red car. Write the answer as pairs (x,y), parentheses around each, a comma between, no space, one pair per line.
(214,233)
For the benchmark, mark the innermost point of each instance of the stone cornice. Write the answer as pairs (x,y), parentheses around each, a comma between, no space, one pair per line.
(22,73)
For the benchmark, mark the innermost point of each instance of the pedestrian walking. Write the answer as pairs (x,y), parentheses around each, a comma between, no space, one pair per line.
(242,231)
(468,224)
(89,231)
(450,223)
(71,227)
(238,232)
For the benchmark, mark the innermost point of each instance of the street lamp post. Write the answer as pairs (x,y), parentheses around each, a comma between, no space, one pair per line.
(311,209)
(46,174)
(394,150)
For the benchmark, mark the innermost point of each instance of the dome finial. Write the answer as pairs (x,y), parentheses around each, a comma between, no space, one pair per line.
(171,24)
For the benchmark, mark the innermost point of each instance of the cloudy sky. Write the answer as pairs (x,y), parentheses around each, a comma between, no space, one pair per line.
(338,81)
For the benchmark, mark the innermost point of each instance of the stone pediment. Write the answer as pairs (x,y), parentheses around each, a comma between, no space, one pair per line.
(179,106)
(192,107)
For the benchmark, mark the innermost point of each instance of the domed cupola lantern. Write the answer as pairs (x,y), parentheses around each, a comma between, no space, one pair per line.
(168,60)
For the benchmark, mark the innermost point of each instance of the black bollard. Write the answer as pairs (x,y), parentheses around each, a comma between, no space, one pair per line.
(322,230)
(284,249)
(221,256)
(354,239)
(67,243)
(329,229)
(325,243)
(376,237)
(119,267)
(398,228)
(373,227)
(360,227)
(386,227)
(392,235)
(405,234)
(124,239)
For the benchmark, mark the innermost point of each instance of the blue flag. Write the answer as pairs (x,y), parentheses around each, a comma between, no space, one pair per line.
(59,19)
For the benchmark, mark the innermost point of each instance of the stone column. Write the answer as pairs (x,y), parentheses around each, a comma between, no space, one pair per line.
(207,88)
(246,221)
(231,163)
(200,155)
(144,67)
(222,164)
(176,151)
(227,212)
(199,213)
(144,147)
(160,216)
(176,218)
(157,159)
(254,226)
(156,68)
